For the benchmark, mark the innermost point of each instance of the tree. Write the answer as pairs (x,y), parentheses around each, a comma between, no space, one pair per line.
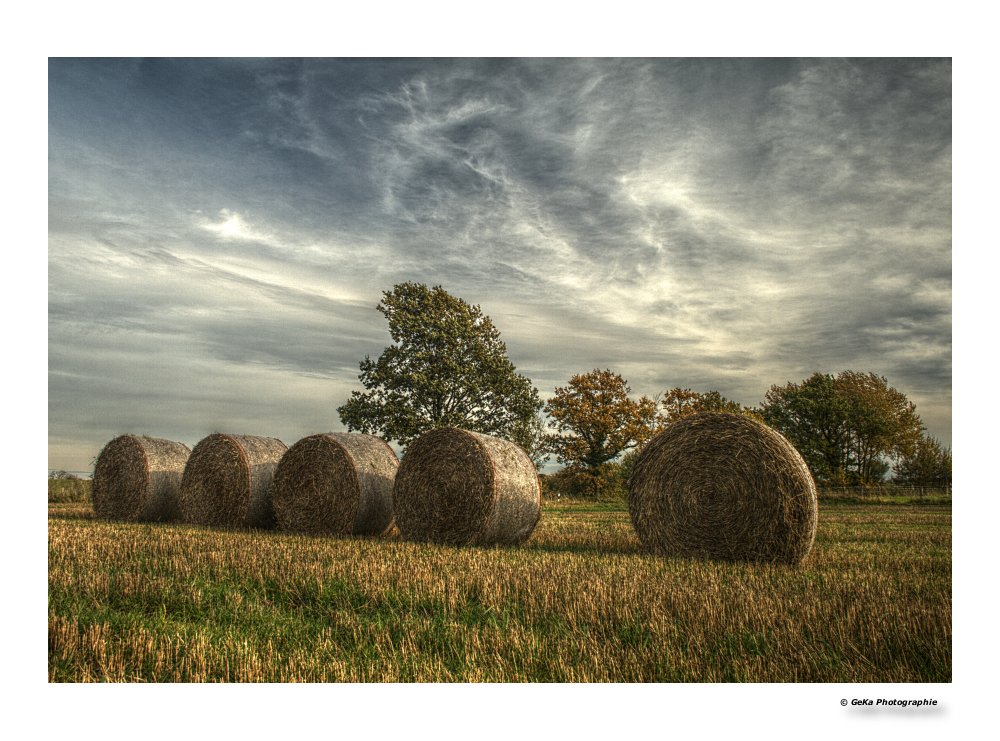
(928,464)
(678,403)
(883,422)
(845,425)
(813,416)
(447,367)
(596,421)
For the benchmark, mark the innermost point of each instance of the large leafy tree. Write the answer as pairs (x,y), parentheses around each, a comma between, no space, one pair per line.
(596,421)
(447,366)
(883,422)
(845,426)
(813,416)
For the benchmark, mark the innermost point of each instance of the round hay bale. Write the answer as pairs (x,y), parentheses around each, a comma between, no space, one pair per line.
(229,480)
(337,483)
(138,478)
(722,486)
(463,488)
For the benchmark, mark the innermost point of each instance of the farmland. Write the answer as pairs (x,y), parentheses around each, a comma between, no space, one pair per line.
(579,602)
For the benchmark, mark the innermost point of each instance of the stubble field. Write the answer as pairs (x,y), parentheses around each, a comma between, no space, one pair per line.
(579,602)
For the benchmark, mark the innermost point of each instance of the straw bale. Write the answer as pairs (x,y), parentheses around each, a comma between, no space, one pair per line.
(725,487)
(229,481)
(337,483)
(138,478)
(459,487)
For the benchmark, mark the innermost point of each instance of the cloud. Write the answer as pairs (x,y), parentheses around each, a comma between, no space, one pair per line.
(230,225)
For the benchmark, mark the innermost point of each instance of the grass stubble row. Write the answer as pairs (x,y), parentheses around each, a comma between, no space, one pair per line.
(580,601)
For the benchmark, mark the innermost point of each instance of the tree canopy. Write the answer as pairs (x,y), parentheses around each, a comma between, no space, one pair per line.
(678,403)
(596,420)
(845,425)
(447,367)
(928,464)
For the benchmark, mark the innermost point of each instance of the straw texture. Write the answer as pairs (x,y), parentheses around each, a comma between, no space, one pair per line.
(722,486)
(138,478)
(229,481)
(458,487)
(337,483)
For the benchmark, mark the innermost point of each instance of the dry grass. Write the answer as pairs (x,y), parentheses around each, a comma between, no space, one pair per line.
(338,483)
(723,486)
(462,488)
(579,601)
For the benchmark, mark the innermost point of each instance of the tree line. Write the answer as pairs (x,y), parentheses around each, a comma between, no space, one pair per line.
(448,366)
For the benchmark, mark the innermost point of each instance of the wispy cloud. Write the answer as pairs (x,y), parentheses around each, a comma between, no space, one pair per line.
(220,231)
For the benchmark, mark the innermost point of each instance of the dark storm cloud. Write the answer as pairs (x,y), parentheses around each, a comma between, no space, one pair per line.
(221,230)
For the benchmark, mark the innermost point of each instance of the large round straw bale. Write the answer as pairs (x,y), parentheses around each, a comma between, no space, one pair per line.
(229,480)
(723,486)
(337,483)
(138,478)
(464,488)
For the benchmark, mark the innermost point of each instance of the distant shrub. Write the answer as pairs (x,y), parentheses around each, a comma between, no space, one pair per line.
(608,482)
(66,488)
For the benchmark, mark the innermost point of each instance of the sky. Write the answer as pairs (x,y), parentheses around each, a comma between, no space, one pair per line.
(220,231)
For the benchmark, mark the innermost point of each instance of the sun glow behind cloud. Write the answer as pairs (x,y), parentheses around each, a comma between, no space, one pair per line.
(233,227)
